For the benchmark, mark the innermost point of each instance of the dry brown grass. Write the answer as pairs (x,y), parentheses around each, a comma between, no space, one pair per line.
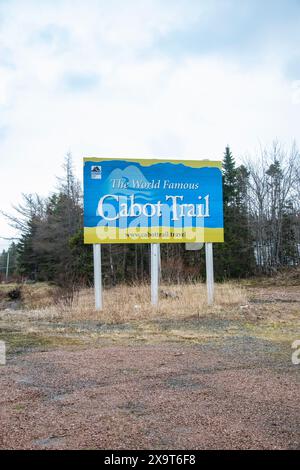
(127,303)
(128,317)
(39,295)
(33,296)
(286,277)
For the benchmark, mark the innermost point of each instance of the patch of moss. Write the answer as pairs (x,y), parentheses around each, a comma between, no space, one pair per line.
(19,407)
(18,341)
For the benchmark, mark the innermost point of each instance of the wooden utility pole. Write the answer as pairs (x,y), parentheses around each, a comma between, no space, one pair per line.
(7,266)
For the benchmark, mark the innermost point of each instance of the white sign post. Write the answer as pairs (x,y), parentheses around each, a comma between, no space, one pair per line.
(155,252)
(159,264)
(209,272)
(97,276)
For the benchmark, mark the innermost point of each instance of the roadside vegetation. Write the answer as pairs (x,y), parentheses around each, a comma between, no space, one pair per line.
(43,318)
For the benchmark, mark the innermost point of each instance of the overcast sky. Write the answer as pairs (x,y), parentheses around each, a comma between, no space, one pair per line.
(139,78)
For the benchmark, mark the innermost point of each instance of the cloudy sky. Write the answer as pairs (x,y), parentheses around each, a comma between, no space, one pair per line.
(141,78)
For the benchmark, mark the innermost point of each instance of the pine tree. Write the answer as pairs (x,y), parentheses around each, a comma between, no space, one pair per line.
(229,178)
(234,258)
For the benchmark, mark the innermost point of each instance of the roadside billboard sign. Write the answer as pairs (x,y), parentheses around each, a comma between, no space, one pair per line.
(152,201)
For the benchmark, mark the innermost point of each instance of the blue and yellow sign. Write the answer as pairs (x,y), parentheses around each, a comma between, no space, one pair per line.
(152,201)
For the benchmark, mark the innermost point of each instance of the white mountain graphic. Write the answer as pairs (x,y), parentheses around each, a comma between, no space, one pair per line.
(130,174)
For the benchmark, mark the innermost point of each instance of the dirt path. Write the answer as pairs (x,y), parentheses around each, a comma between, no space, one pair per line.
(242,394)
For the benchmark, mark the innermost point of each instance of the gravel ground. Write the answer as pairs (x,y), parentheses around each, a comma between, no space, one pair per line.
(242,393)
(220,381)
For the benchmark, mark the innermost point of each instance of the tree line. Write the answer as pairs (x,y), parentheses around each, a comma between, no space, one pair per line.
(261,220)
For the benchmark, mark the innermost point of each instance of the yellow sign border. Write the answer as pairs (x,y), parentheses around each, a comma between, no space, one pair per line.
(102,234)
(155,161)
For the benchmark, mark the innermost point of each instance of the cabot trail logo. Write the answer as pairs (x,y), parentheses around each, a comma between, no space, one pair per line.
(96,172)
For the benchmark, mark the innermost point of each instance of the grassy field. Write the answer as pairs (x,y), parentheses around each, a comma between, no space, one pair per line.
(42,319)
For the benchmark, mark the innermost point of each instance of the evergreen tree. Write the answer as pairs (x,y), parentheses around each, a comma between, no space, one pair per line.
(234,257)
(229,179)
